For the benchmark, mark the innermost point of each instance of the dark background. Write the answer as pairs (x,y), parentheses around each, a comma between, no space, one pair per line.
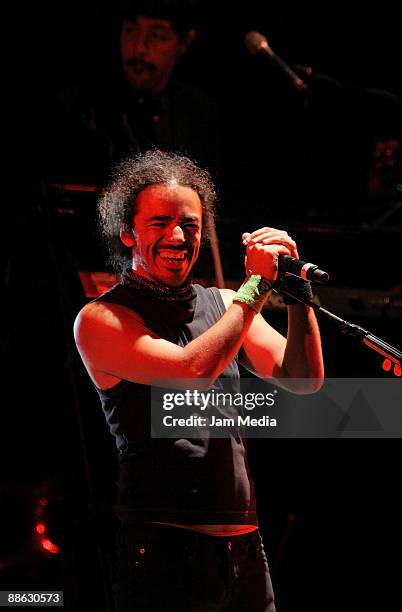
(328,509)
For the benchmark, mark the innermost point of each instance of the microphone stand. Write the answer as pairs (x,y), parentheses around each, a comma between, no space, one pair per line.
(388,351)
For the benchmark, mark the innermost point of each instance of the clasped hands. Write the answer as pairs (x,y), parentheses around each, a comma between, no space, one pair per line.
(263,248)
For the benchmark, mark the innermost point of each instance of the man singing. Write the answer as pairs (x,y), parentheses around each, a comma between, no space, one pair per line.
(189,539)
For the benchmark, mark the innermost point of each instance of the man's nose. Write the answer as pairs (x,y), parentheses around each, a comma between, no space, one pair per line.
(140,43)
(177,235)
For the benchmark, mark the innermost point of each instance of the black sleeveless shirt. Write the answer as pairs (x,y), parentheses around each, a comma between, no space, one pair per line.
(186,481)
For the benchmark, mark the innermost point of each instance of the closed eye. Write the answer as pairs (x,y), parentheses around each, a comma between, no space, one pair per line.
(159,36)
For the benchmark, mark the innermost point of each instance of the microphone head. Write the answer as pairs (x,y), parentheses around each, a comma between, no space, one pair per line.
(255,42)
(320,276)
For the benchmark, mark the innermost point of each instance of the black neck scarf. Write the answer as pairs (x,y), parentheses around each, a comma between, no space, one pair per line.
(184,293)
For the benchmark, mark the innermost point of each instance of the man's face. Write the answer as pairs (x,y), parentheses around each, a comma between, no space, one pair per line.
(149,51)
(167,228)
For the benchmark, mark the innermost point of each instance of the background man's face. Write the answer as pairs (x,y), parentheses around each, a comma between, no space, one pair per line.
(149,51)
(167,227)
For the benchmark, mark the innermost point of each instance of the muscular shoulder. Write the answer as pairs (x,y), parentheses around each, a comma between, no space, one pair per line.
(107,336)
(99,317)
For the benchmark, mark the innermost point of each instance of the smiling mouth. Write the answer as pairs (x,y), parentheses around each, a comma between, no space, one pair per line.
(172,256)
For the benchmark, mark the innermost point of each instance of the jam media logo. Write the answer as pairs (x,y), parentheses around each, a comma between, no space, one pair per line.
(342,408)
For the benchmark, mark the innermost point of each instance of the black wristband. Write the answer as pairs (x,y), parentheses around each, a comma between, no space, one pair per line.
(296,286)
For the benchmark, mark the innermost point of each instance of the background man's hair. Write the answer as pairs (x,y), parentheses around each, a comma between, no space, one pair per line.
(116,206)
(181,13)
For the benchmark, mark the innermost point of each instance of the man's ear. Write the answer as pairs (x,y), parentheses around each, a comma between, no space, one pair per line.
(187,40)
(127,237)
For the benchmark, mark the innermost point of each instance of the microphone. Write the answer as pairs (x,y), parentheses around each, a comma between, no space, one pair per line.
(257,44)
(306,271)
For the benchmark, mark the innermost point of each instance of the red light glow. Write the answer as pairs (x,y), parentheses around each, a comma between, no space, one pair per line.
(386,365)
(49,546)
(43,501)
(40,528)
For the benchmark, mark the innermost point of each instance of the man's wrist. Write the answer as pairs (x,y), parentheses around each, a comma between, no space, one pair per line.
(291,287)
(253,292)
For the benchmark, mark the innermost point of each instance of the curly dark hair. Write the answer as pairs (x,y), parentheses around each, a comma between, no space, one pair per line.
(183,14)
(117,204)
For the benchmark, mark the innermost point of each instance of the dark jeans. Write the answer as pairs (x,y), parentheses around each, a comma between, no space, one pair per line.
(167,569)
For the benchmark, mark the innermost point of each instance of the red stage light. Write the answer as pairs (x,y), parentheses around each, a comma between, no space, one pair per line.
(49,546)
(386,365)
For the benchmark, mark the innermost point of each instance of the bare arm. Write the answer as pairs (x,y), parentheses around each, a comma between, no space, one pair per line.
(266,352)
(112,340)
(270,355)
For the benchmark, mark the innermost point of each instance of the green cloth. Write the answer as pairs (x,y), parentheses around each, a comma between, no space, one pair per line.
(253,292)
